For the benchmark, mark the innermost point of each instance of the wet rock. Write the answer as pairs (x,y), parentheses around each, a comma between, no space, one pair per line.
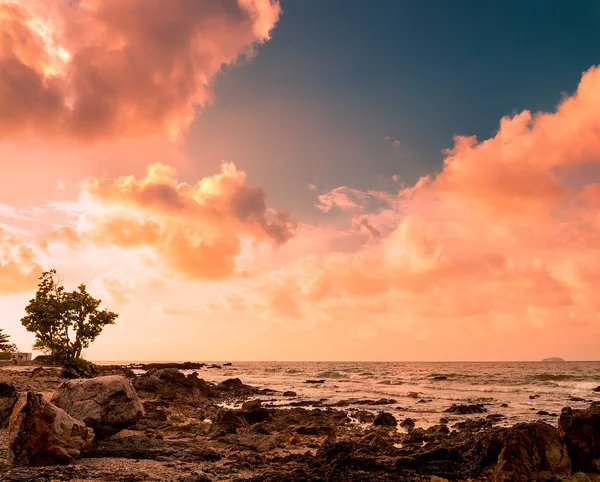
(180,366)
(474,424)
(407,422)
(42,434)
(290,393)
(8,399)
(385,419)
(253,412)
(106,404)
(419,435)
(234,387)
(364,416)
(171,384)
(226,422)
(466,409)
(580,431)
(530,450)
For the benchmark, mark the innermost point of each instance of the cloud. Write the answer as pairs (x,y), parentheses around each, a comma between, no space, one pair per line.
(19,270)
(394,142)
(503,243)
(195,230)
(311,187)
(88,70)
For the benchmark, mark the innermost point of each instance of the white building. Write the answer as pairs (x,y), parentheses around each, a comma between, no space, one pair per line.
(21,357)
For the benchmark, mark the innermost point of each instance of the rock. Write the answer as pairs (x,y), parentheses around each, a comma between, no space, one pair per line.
(543,412)
(412,395)
(533,397)
(529,450)
(504,405)
(407,422)
(8,399)
(106,404)
(385,419)
(228,364)
(314,381)
(597,389)
(440,377)
(578,477)
(443,420)
(466,409)
(81,369)
(580,431)
(225,423)
(290,393)
(41,434)
(435,478)
(577,399)
(171,384)
(364,416)
(253,412)
(180,366)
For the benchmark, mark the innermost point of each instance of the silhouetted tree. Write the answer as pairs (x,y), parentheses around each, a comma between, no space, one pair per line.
(64,322)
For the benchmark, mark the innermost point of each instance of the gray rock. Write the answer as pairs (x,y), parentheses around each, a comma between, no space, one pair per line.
(106,404)
(41,434)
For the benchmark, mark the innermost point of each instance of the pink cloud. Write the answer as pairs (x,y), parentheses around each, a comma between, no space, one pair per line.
(505,239)
(118,69)
(195,230)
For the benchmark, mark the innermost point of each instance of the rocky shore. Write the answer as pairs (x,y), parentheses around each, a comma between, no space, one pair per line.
(163,425)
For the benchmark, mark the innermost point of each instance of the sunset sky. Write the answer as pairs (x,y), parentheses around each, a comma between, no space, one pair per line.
(307,180)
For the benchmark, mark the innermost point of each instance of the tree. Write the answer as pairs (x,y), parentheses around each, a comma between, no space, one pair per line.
(64,322)
(5,344)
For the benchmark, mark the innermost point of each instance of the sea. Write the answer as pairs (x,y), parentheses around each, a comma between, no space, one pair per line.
(424,390)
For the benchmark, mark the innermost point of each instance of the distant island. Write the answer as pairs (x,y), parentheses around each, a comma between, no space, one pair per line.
(553,359)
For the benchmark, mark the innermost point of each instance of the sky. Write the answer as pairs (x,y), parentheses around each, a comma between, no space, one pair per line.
(307,180)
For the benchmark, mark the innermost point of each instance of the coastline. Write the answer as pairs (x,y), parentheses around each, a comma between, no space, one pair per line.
(198,431)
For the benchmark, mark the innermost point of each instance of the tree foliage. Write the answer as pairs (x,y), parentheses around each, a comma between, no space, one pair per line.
(5,344)
(64,322)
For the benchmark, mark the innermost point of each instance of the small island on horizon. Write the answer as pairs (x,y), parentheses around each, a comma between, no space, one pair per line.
(554,359)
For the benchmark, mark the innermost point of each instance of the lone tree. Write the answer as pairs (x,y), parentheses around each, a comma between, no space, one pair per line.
(5,344)
(64,322)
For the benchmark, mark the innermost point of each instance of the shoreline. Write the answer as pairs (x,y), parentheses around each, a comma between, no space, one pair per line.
(189,427)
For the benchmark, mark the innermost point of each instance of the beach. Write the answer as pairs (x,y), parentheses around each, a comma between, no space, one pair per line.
(329,422)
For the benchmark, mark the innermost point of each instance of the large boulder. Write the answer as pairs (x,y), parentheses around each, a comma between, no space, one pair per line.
(8,399)
(531,451)
(107,404)
(580,431)
(171,384)
(41,434)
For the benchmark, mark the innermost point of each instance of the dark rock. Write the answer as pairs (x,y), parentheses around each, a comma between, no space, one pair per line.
(171,384)
(504,405)
(419,435)
(530,450)
(543,412)
(41,434)
(385,419)
(289,393)
(180,366)
(466,409)
(407,422)
(597,389)
(440,377)
(8,399)
(228,364)
(364,416)
(577,399)
(253,412)
(225,423)
(315,381)
(580,431)
(214,365)
(443,420)
(533,397)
